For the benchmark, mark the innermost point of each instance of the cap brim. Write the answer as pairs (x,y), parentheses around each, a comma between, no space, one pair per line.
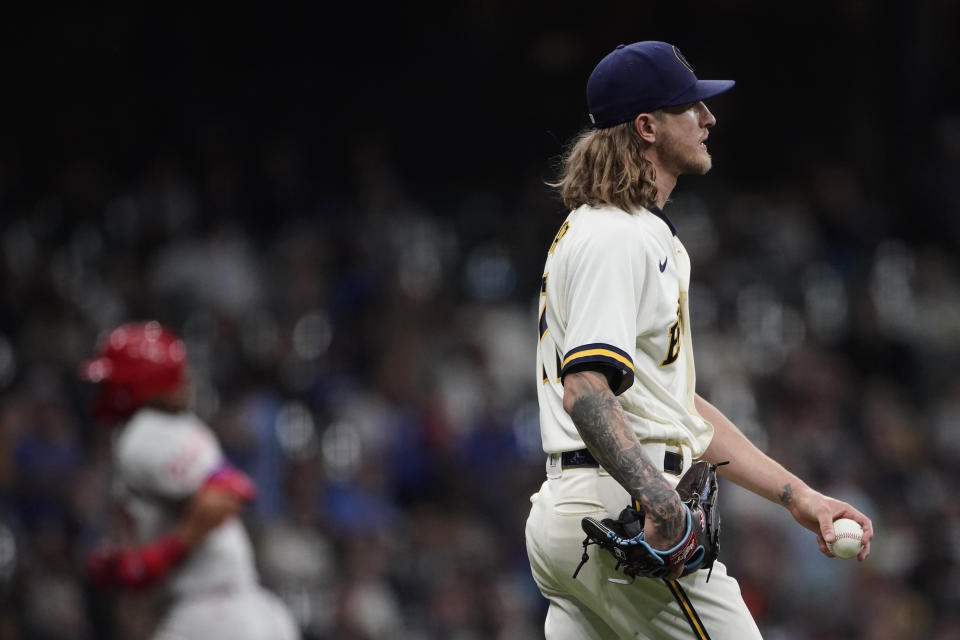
(96,369)
(702,90)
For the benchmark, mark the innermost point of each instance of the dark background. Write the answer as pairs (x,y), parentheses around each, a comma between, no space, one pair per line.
(465,93)
(343,210)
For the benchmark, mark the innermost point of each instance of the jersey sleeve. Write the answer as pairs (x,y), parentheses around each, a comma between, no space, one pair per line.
(169,461)
(604,286)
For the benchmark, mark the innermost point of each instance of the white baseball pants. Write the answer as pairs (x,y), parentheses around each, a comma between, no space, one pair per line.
(251,613)
(593,607)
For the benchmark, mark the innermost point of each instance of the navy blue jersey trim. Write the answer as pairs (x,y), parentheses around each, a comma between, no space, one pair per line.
(660,214)
(599,353)
(612,351)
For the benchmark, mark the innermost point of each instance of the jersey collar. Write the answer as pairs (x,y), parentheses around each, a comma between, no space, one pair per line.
(660,214)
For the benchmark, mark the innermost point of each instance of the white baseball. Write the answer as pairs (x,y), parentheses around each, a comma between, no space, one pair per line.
(849,534)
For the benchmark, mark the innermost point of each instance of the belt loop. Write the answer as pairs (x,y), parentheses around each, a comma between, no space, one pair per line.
(554,469)
(687,457)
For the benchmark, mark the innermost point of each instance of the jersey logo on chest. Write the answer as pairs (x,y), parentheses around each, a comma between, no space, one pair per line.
(663,265)
(673,349)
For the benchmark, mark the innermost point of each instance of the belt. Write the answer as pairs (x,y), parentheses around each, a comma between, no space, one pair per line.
(672,462)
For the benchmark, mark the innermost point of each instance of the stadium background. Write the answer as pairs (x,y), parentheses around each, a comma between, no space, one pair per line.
(343,211)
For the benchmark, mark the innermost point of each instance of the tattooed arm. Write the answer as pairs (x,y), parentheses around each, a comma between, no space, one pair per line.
(757,472)
(599,419)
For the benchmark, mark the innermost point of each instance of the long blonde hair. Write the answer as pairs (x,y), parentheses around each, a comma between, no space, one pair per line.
(607,167)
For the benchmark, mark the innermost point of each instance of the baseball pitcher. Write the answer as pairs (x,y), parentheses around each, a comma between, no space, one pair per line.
(622,537)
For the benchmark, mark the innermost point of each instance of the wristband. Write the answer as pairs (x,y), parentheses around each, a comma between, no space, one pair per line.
(233,481)
(138,567)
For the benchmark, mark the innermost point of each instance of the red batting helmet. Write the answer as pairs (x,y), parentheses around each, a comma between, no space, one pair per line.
(135,363)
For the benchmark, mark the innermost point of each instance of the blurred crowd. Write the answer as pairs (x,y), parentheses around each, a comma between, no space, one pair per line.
(369,360)
(370,364)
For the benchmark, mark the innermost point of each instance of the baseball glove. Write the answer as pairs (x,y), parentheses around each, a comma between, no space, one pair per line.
(697,549)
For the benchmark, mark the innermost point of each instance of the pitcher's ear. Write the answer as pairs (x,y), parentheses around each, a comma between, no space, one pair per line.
(645,125)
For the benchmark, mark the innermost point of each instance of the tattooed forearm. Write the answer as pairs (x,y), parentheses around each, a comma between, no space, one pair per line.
(786,496)
(599,419)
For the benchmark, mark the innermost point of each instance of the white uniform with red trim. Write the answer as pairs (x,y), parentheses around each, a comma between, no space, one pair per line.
(614,292)
(162,460)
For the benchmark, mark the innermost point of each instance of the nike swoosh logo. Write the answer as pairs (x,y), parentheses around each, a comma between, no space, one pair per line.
(663,265)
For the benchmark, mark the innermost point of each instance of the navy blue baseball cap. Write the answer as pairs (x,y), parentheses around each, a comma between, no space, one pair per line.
(643,77)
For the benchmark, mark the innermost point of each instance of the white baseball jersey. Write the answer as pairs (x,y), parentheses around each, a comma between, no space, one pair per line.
(163,459)
(614,291)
